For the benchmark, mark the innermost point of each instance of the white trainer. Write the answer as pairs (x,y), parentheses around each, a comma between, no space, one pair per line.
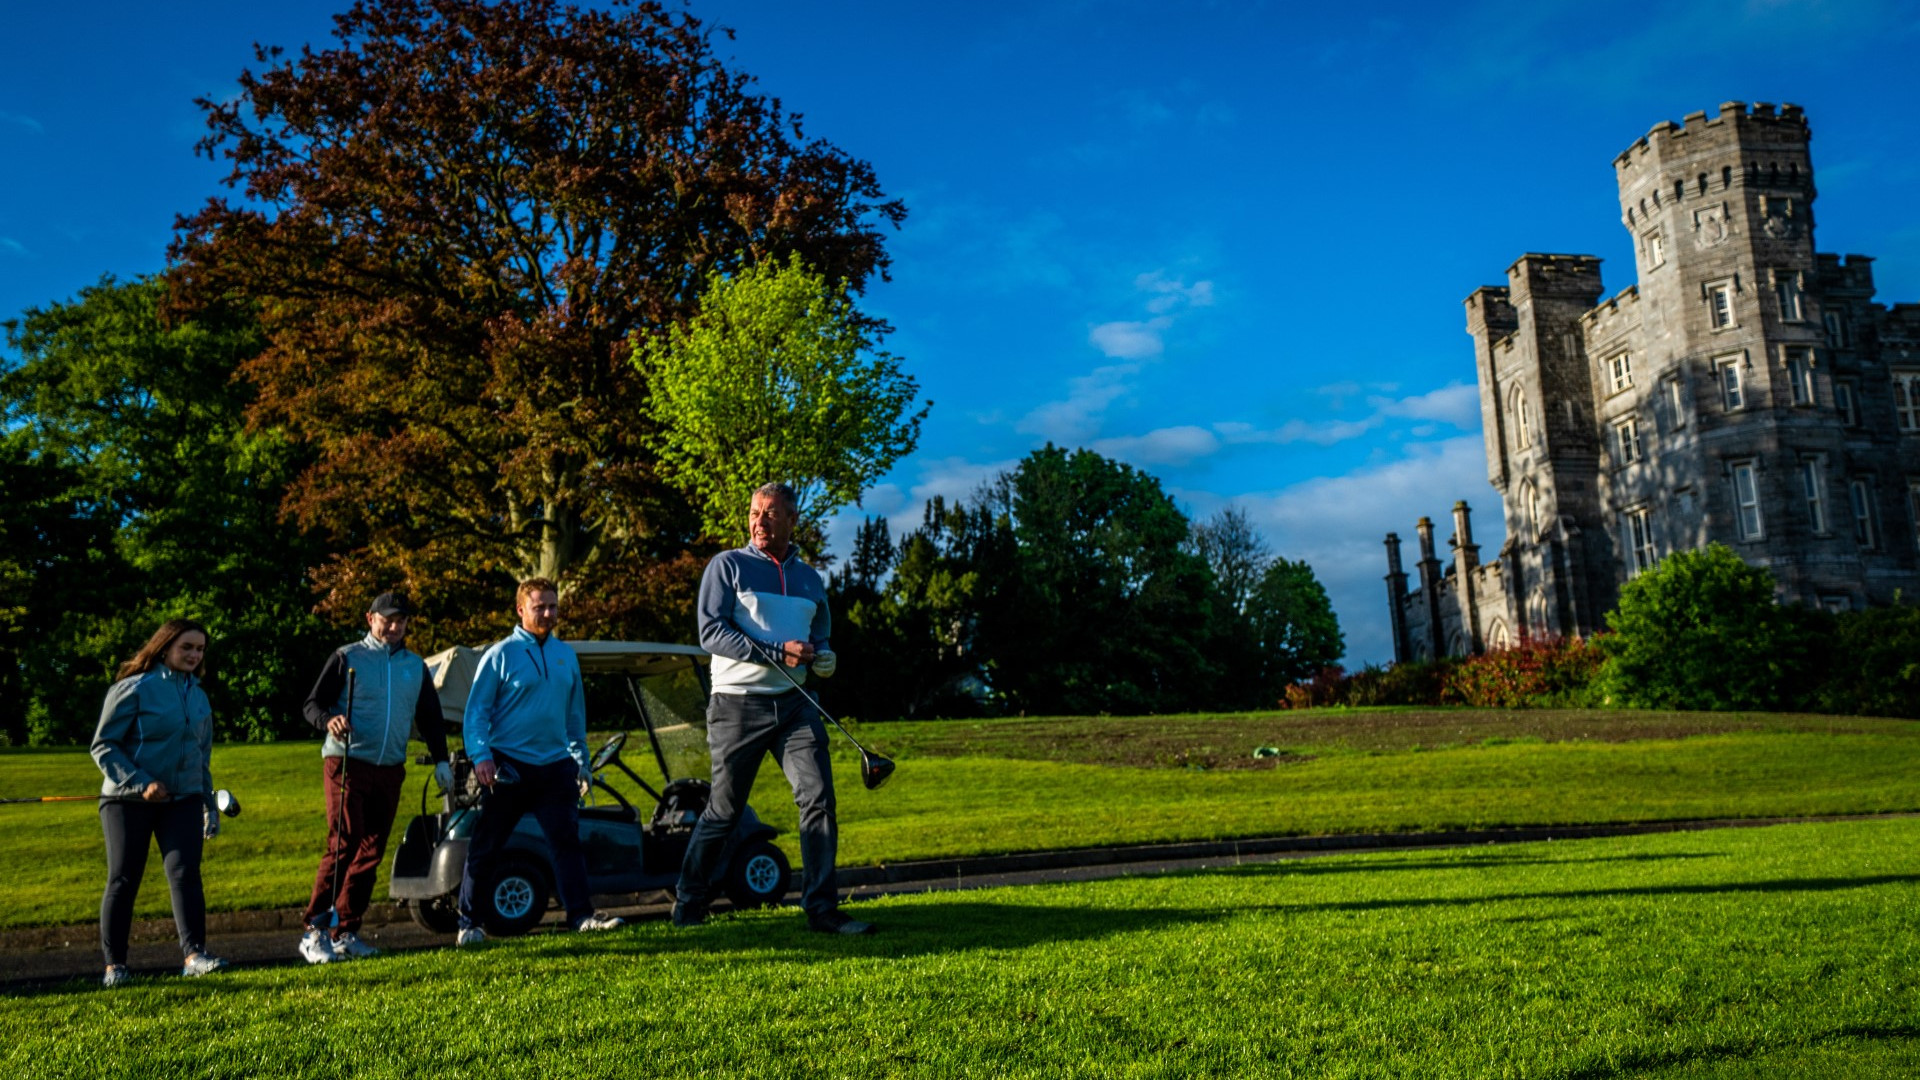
(117,975)
(597,921)
(201,964)
(471,935)
(348,946)
(315,948)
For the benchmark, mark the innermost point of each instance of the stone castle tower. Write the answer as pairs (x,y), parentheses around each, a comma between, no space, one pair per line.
(1747,390)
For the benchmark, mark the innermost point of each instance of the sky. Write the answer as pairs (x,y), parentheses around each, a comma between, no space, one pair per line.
(1227,243)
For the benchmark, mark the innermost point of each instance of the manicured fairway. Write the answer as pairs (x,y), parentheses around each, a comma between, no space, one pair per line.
(968,788)
(1783,951)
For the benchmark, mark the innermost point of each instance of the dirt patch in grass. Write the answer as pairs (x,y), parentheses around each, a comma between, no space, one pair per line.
(1229,741)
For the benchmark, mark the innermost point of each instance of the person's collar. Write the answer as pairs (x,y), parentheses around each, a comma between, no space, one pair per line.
(375,641)
(525,634)
(793,552)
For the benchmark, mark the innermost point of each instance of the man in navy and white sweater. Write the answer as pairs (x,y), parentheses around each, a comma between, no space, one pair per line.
(760,603)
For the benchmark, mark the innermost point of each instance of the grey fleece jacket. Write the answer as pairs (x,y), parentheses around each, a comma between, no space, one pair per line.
(155,726)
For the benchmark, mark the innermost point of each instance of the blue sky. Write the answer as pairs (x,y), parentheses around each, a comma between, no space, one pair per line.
(1226,242)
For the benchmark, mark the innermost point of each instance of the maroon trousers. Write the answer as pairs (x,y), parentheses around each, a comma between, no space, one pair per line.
(358,820)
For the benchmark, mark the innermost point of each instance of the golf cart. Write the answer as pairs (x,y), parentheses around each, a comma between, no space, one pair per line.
(633,844)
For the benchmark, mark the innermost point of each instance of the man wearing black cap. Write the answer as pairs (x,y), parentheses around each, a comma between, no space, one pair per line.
(363,763)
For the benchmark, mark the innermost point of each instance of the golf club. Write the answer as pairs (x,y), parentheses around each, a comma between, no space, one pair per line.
(225,801)
(874,769)
(340,859)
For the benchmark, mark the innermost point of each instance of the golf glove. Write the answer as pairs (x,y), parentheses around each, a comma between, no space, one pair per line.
(443,775)
(825,663)
(209,821)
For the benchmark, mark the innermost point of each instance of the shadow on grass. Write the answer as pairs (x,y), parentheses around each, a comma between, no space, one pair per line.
(1469,861)
(1832,1053)
(1784,885)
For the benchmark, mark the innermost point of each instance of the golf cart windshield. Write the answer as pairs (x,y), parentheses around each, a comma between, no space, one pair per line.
(630,685)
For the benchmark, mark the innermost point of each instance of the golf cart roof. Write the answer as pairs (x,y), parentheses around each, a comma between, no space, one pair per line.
(453,669)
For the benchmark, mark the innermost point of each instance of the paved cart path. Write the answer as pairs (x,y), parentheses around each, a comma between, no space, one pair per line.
(37,958)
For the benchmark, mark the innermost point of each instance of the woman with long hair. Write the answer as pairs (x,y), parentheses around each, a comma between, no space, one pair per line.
(155,745)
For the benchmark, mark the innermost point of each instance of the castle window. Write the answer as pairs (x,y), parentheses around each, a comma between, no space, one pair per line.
(1786,289)
(1656,247)
(1800,375)
(1727,368)
(1726,177)
(1679,190)
(1906,399)
(1843,404)
(1673,396)
(1836,329)
(1913,507)
(1836,604)
(1620,371)
(1746,500)
(1720,305)
(1813,485)
(1521,414)
(1860,500)
(1626,442)
(1638,526)
(1536,513)
(1703,183)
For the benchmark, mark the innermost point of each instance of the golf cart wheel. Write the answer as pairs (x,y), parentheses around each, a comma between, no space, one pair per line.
(759,875)
(441,914)
(515,900)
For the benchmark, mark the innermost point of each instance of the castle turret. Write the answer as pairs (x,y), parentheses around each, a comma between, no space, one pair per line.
(1397,600)
(1466,560)
(1436,643)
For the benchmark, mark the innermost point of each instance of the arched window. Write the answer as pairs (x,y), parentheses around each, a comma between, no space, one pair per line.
(1537,613)
(1498,637)
(1521,414)
(1531,506)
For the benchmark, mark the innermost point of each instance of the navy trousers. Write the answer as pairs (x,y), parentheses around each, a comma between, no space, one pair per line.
(552,794)
(741,730)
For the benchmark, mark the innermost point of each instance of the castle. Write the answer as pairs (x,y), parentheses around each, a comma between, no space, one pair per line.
(1747,391)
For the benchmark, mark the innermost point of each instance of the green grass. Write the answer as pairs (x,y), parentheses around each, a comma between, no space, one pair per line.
(1785,951)
(987,787)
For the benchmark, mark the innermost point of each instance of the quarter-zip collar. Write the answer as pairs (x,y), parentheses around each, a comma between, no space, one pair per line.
(536,648)
(793,552)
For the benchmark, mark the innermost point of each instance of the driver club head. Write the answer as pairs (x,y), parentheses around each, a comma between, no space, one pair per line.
(225,802)
(874,769)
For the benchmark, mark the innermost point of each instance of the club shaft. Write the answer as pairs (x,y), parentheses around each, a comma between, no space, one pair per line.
(779,664)
(53,798)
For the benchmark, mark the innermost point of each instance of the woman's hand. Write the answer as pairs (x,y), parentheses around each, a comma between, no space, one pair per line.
(156,792)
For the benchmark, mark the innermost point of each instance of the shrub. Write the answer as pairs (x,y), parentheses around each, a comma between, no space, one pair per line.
(1537,673)
(1874,665)
(1701,630)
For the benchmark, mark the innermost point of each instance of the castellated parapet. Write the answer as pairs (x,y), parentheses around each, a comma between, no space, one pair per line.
(1745,389)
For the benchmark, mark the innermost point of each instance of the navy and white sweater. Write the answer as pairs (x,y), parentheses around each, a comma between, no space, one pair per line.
(746,596)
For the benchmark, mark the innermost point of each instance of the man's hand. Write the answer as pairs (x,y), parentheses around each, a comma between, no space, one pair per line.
(796,653)
(156,792)
(586,781)
(443,775)
(485,771)
(825,663)
(338,727)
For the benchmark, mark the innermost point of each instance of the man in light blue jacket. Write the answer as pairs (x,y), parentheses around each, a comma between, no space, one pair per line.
(526,732)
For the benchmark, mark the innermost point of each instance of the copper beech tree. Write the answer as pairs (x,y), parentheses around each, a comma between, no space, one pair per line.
(450,222)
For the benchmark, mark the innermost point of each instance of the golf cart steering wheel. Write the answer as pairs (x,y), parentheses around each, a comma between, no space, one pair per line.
(609,752)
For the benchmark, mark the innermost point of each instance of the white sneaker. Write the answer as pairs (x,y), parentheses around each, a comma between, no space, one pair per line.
(117,975)
(348,946)
(597,921)
(471,935)
(315,948)
(202,964)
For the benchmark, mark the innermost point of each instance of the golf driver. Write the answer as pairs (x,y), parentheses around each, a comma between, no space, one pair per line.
(874,769)
(223,800)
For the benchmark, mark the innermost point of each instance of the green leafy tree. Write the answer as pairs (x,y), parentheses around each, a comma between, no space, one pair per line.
(1293,627)
(1109,609)
(1872,663)
(1702,630)
(777,377)
(451,220)
(134,492)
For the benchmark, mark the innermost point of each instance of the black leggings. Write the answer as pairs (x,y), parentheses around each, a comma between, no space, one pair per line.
(132,828)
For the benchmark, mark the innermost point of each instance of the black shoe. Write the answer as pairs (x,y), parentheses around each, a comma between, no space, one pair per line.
(688,915)
(838,922)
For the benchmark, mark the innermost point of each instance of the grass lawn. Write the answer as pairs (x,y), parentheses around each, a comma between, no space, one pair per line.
(983,787)
(1785,951)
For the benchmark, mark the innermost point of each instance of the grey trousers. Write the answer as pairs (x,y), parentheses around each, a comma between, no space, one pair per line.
(741,730)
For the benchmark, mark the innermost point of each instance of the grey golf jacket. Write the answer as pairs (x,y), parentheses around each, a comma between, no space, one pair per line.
(155,726)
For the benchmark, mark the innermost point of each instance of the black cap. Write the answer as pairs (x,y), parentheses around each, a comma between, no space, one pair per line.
(391,605)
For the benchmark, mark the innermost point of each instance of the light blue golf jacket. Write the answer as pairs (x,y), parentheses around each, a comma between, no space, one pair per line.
(527,702)
(156,725)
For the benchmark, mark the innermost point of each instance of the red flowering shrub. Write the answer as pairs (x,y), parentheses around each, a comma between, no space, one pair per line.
(1537,673)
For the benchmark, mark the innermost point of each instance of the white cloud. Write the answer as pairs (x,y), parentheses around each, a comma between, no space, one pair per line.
(1079,415)
(1317,432)
(1455,403)
(1129,340)
(12,246)
(1337,524)
(1170,294)
(1165,446)
(27,122)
